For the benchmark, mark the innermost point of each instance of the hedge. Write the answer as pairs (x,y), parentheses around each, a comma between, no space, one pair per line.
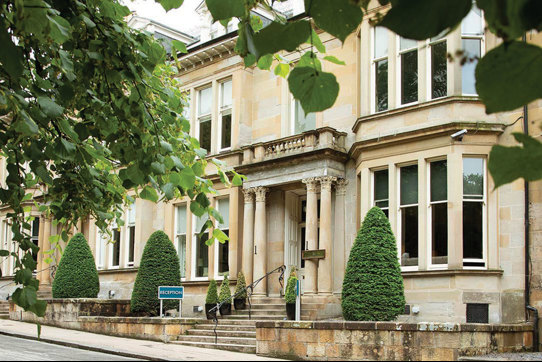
(373,285)
(241,286)
(76,276)
(225,292)
(159,267)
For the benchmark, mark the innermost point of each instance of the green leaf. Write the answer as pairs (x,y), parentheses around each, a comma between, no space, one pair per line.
(225,9)
(4,253)
(158,167)
(509,76)
(426,18)
(339,18)
(203,200)
(38,308)
(169,190)
(60,29)
(49,107)
(510,19)
(282,70)
(11,55)
(316,90)
(170,4)
(149,193)
(317,42)
(237,180)
(264,63)
(25,124)
(277,36)
(196,209)
(179,46)
(43,174)
(188,178)
(332,59)
(507,164)
(220,236)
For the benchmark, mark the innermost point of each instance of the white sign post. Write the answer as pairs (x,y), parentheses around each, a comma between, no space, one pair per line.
(298,301)
(171,293)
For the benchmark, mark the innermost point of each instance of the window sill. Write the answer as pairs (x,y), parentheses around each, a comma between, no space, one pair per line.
(118,270)
(452,272)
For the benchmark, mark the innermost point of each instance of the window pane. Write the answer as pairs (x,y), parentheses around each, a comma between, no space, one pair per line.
(409,185)
(101,249)
(381,183)
(381,42)
(472,50)
(226,94)
(223,265)
(225,141)
(186,107)
(409,236)
(472,230)
(205,100)
(409,77)
(381,86)
(35,228)
(407,43)
(303,123)
(181,247)
(224,210)
(472,24)
(132,213)
(181,219)
(199,223)
(439,181)
(116,248)
(131,245)
(439,233)
(439,70)
(205,134)
(473,178)
(202,256)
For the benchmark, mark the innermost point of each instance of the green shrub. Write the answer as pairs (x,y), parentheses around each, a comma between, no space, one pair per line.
(225,292)
(241,286)
(290,294)
(212,294)
(159,267)
(373,286)
(76,276)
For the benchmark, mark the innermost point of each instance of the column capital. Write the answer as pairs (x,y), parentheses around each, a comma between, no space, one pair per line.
(260,193)
(249,195)
(326,182)
(312,184)
(341,186)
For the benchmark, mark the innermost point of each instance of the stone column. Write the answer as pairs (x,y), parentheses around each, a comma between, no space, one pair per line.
(311,266)
(45,278)
(260,236)
(248,235)
(340,257)
(325,272)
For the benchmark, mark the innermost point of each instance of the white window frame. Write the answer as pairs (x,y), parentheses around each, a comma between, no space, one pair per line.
(204,117)
(373,183)
(480,37)
(128,224)
(6,265)
(218,276)
(194,251)
(429,84)
(483,201)
(399,84)
(185,206)
(101,250)
(224,111)
(373,70)
(399,216)
(293,117)
(112,245)
(430,214)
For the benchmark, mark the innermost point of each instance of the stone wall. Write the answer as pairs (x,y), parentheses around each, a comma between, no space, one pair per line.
(388,340)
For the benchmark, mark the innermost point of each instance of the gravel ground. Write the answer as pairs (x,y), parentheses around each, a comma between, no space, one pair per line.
(506,357)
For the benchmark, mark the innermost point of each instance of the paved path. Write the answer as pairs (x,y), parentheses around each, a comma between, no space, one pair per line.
(19,349)
(120,346)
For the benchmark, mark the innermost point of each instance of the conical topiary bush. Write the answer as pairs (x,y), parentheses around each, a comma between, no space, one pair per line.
(159,267)
(373,285)
(76,276)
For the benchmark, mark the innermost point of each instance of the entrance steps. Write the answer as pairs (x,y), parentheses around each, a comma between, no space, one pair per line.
(4,309)
(45,292)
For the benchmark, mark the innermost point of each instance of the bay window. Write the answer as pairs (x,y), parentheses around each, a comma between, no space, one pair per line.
(381,190)
(472,34)
(225,114)
(180,236)
(201,251)
(222,250)
(204,121)
(438,212)
(380,68)
(474,213)
(408,218)
(408,73)
(438,67)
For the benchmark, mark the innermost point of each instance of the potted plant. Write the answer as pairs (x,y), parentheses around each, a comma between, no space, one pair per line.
(211,300)
(290,295)
(224,298)
(240,301)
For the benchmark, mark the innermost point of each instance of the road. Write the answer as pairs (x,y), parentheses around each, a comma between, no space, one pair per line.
(20,349)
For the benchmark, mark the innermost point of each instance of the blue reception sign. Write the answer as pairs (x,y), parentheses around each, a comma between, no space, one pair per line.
(170,293)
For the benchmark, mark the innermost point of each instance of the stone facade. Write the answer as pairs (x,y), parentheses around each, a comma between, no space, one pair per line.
(311,188)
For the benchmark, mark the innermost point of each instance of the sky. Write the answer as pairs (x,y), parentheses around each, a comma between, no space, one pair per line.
(183,19)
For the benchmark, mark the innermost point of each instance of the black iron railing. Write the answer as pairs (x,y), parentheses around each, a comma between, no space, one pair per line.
(249,289)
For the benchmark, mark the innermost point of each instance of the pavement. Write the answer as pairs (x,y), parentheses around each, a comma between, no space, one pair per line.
(127,347)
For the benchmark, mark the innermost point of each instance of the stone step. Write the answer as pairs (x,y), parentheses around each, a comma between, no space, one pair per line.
(221,340)
(222,346)
(224,327)
(239,322)
(266,300)
(255,318)
(278,306)
(222,333)
(261,312)
(4,316)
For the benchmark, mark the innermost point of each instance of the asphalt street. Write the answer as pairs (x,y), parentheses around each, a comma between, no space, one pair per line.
(20,349)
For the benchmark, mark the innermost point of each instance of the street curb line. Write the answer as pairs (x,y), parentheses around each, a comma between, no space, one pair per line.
(82,346)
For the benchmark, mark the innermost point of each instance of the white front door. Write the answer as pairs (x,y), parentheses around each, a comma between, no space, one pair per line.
(292,247)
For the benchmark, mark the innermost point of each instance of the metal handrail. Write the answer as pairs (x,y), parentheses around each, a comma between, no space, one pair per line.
(250,290)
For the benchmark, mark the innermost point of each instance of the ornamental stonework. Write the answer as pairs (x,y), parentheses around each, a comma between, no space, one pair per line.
(312,184)
(326,182)
(260,193)
(340,187)
(249,195)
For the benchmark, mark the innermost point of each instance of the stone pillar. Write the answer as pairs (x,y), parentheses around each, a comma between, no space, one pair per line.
(325,271)
(340,257)
(248,235)
(311,266)
(45,278)
(260,236)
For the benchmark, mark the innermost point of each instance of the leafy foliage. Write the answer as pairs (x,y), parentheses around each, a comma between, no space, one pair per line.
(225,292)
(76,276)
(212,293)
(290,294)
(159,267)
(240,287)
(373,286)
